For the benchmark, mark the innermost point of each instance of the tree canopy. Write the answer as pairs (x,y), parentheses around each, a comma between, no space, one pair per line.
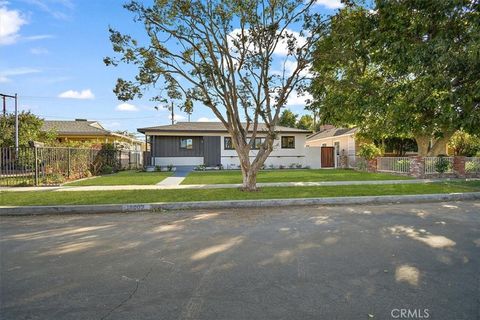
(29,129)
(288,119)
(403,69)
(219,53)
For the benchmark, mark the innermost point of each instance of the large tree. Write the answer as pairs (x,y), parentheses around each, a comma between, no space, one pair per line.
(220,53)
(29,129)
(402,68)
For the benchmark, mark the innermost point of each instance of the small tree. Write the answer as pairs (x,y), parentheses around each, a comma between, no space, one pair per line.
(305,122)
(187,108)
(220,54)
(288,119)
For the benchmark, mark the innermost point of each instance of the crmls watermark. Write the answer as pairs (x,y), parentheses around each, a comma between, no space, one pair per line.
(410,313)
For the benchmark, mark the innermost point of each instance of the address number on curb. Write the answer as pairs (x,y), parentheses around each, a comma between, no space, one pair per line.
(136,207)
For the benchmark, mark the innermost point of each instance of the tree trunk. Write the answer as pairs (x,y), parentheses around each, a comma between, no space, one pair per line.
(423,143)
(440,145)
(250,169)
(249,180)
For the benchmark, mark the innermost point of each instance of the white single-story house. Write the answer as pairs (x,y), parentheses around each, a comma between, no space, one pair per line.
(209,144)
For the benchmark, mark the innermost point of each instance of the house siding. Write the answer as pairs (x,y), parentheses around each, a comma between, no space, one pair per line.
(169,146)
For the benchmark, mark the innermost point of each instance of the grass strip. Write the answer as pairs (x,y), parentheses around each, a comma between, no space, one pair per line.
(37,198)
(130,177)
(298,175)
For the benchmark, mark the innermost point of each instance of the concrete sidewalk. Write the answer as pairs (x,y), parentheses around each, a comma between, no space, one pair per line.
(172,185)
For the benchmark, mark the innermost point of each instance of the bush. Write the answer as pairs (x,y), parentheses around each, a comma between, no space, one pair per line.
(200,167)
(170,167)
(369,151)
(442,164)
(106,169)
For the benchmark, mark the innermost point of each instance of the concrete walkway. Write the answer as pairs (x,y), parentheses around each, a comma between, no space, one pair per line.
(178,176)
(175,184)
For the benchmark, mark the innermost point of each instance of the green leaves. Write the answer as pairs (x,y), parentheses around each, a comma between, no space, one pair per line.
(404,68)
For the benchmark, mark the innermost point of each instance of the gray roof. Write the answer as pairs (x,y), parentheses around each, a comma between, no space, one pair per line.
(75,127)
(199,127)
(330,133)
(81,128)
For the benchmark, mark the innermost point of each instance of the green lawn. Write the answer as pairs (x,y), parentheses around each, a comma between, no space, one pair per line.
(307,175)
(123,178)
(145,196)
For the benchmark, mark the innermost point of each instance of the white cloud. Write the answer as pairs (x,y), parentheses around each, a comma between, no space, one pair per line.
(205,119)
(72,94)
(6,74)
(10,23)
(38,37)
(59,9)
(178,117)
(330,4)
(295,100)
(126,107)
(282,46)
(38,51)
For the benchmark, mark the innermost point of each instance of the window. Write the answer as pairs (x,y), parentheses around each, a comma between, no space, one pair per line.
(186,143)
(288,142)
(227,143)
(257,143)
(336,144)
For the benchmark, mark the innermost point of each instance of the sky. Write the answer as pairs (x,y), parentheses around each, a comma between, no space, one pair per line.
(51,55)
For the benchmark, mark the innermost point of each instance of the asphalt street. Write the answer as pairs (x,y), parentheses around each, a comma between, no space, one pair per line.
(344,262)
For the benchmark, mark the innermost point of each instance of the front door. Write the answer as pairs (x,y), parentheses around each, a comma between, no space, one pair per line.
(327,157)
(211,151)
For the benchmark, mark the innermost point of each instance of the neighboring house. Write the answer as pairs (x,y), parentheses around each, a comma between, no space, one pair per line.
(342,139)
(81,130)
(208,143)
(334,142)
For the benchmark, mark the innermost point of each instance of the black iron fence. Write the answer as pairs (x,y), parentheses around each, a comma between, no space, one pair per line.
(36,166)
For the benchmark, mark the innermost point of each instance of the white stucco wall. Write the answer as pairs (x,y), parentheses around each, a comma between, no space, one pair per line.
(178,161)
(279,156)
(347,143)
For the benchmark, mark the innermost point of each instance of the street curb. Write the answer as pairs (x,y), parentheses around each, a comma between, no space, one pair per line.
(153,207)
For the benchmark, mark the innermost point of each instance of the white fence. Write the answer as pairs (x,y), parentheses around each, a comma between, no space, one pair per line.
(431,164)
(393,164)
(472,164)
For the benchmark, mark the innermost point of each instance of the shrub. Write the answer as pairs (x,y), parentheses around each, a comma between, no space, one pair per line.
(442,164)
(170,167)
(200,167)
(369,151)
(158,168)
(292,165)
(299,166)
(106,169)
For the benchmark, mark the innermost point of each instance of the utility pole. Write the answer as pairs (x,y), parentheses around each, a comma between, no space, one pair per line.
(4,96)
(173,115)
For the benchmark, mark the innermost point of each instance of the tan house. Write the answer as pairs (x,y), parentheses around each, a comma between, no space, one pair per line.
(82,130)
(333,143)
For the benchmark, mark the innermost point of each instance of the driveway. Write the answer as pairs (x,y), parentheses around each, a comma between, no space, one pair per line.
(357,262)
